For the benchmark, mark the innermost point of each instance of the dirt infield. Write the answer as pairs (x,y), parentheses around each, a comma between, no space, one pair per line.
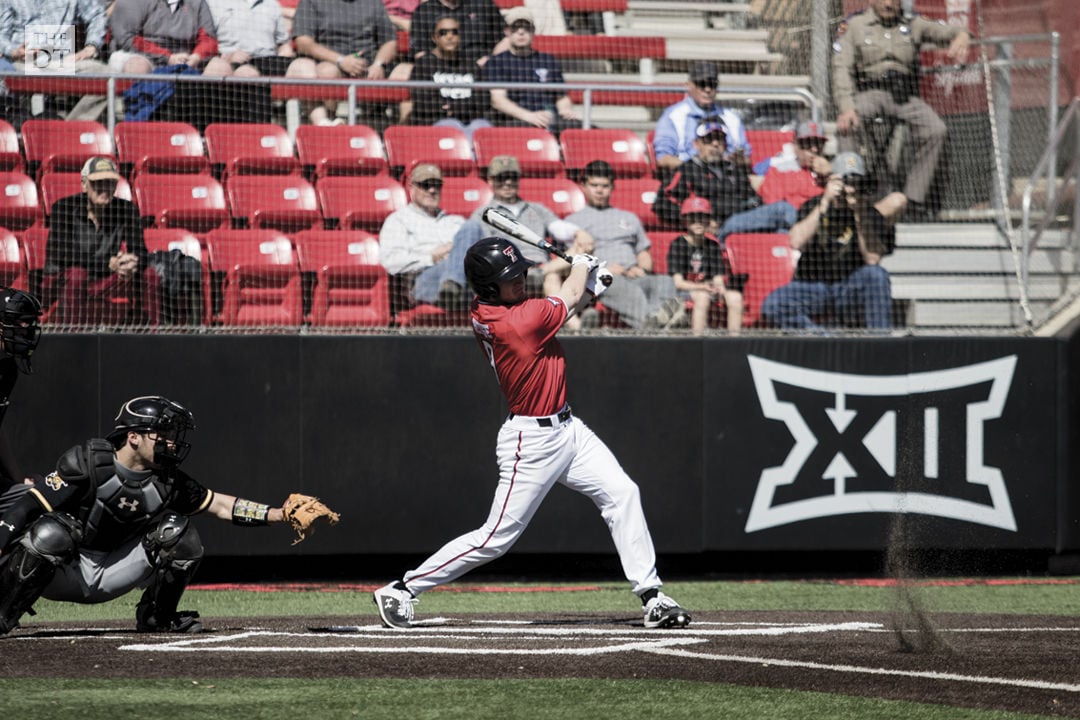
(1004,662)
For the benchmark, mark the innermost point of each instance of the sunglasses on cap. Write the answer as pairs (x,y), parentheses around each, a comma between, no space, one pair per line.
(443,32)
(811,144)
(522,25)
(506,177)
(430,185)
(714,137)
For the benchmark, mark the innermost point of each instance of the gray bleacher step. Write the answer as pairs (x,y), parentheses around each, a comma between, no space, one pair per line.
(942,314)
(975,261)
(966,235)
(1005,288)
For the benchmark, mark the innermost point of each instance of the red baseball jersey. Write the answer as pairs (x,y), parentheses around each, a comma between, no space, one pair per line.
(795,186)
(519,343)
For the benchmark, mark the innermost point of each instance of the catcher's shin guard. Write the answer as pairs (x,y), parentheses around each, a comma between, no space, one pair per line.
(52,540)
(176,550)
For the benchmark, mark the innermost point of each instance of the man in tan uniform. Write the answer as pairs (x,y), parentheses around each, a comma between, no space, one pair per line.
(875,73)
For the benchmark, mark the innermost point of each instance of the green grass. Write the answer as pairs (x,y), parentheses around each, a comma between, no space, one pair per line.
(446,700)
(240,699)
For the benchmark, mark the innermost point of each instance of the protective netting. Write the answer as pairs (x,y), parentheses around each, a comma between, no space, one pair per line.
(255,219)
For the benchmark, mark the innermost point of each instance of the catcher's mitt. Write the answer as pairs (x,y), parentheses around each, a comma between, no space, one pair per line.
(301,511)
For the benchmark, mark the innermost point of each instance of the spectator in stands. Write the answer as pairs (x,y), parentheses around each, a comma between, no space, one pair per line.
(149,34)
(15,15)
(787,185)
(401,12)
(460,107)
(253,37)
(696,262)
(418,235)
(95,251)
(444,282)
(342,39)
(548,109)
(842,236)
(641,298)
(481,26)
(710,173)
(875,73)
(673,141)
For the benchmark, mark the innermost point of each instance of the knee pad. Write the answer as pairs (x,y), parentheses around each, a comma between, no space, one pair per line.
(53,537)
(174,543)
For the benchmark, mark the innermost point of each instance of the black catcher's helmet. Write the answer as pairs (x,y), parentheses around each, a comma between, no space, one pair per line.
(153,413)
(20,327)
(490,262)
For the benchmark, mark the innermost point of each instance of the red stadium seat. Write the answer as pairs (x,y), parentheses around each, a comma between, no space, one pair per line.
(340,150)
(559,195)
(351,287)
(637,195)
(11,158)
(409,145)
(261,283)
(622,149)
(19,205)
(63,145)
(160,147)
(537,150)
(361,202)
(661,243)
(167,239)
(193,202)
(768,261)
(250,149)
(766,143)
(463,195)
(13,271)
(33,242)
(282,202)
(57,185)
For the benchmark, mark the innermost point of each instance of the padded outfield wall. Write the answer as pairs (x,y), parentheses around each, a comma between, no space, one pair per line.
(737,443)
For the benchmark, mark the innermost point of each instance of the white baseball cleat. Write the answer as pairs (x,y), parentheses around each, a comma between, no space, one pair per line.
(395,606)
(663,612)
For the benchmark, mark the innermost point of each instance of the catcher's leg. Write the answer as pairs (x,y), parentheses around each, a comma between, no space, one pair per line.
(52,540)
(176,550)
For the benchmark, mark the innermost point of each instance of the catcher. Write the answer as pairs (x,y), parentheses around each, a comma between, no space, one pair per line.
(114,516)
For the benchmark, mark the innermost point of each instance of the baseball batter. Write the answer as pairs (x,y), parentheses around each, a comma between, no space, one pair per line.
(113,517)
(541,442)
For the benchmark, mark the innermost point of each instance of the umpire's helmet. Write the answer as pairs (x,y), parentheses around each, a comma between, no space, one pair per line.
(20,327)
(490,262)
(169,420)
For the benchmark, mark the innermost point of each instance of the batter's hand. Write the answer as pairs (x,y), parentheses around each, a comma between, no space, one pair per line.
(599,281)
(589,261)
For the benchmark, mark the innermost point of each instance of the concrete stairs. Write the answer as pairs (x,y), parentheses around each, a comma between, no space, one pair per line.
(963,276)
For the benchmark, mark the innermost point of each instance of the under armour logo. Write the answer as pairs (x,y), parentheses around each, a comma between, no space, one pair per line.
(847,429)
(126,504)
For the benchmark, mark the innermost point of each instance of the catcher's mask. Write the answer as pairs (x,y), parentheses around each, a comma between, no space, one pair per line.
(492,261)
(20,327)
(169,421)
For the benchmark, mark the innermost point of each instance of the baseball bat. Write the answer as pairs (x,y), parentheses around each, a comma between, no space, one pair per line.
(501,220)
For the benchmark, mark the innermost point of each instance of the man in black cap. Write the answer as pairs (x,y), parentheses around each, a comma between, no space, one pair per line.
(674,138)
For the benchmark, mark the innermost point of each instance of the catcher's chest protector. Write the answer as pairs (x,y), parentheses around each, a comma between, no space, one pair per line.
(119,506)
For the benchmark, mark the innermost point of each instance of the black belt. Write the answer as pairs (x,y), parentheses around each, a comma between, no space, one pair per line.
(547,421)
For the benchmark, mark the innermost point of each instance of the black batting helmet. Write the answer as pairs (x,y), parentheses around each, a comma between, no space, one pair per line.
(490,262)
(20,327)
(169,420)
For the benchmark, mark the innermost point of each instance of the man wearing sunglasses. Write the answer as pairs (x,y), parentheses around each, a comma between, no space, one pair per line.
(461,107)
(444,283)
(710,173)
(531,107)
(418,235)
(674,138)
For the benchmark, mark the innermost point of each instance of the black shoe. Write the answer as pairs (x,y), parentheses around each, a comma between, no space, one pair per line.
(184,622)
(450,296)
(917,212)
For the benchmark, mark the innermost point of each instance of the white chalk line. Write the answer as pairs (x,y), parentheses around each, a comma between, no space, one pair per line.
(859,670)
